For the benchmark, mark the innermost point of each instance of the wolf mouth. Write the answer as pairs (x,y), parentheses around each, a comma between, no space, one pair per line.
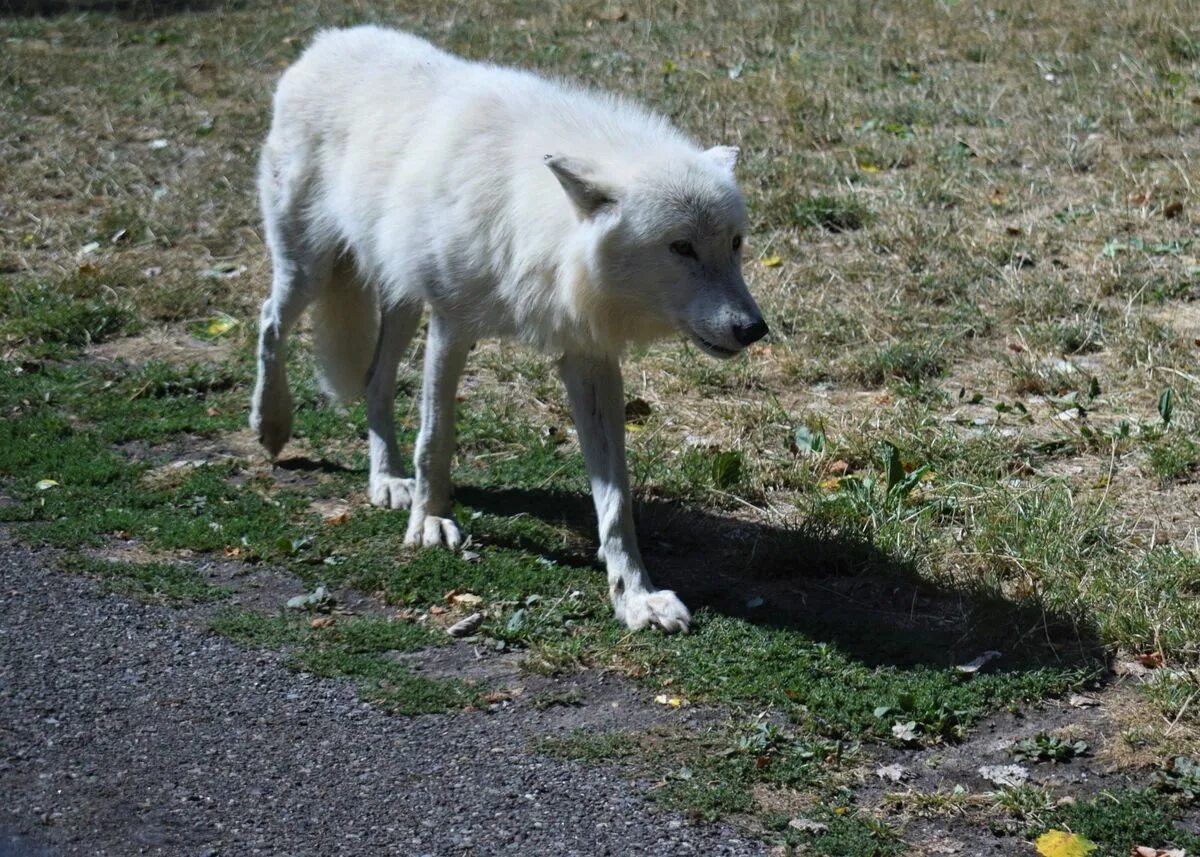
(711,347)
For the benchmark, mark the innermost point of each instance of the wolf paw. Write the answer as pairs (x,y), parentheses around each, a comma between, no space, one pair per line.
(430,530)
(391,492)
(271,420)
(660,608)
(273,432)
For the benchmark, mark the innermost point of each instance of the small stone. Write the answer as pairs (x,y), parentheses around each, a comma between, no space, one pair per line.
(466,627)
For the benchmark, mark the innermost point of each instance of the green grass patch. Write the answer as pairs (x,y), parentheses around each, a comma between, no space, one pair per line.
(1173,458)
(361,649)
(832,692)
(831,213)
(1119,821)
(53,318)
(170,583)
(586,746)
(913,362)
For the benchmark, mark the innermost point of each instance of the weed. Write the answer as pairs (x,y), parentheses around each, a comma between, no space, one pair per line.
(831,213)
(1173,458)
(1046,748)
(1181,776)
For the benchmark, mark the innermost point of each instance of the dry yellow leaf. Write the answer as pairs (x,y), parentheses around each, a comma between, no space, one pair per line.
(868,167)
(221,325)
(1059,843)
(772,262)
(673,701)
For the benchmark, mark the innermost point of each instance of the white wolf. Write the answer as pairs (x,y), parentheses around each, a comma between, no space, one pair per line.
(396,175)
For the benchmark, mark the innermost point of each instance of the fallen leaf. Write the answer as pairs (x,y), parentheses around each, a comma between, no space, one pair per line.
(466,627)
(220,325)
(319,600)
(998,197)
(227,270)
(673,701)
(979,663)
(1139,197)
(892,773)
(323,622)
(1059,843)
(906,732)
(503,695)
(867,167)
(804,825)
(1173,210)
(45,484)
(1077,700)
(772,262)
(467,599)
(1152,661)
(1147,851)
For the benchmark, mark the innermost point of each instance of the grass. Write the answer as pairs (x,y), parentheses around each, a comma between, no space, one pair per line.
(57,317)
(1123,820)
(981,274)
(361,649)
(153,582)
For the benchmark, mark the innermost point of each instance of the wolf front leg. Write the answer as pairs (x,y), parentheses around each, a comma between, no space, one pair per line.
(431,521)
(598,404)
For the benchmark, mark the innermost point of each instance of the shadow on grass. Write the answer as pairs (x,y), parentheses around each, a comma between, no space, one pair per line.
(832,587)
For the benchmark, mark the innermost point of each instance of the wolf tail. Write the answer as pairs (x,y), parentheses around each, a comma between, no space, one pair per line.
(345,331)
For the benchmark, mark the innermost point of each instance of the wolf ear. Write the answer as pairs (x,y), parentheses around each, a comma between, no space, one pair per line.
(578,179)
(725,157)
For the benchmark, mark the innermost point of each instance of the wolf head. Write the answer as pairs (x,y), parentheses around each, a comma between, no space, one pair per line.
(665,243)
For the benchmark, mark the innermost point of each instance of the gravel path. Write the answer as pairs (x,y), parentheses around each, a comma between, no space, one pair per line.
(125,730)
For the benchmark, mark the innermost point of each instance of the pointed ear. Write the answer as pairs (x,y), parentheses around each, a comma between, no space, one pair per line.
(578,179)
(725,157)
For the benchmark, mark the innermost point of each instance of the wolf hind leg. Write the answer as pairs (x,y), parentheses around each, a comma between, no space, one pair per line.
(299,273)
(388,487)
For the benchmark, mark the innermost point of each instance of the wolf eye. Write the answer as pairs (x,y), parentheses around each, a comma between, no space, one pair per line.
(737,243)
(684,248)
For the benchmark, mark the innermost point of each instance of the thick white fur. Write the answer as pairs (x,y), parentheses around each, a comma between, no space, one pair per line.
(396,175)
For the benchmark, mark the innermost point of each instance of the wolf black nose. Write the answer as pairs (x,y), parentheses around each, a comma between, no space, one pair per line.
(747,334)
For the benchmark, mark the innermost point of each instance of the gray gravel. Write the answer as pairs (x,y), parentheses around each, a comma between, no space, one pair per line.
(125,729)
